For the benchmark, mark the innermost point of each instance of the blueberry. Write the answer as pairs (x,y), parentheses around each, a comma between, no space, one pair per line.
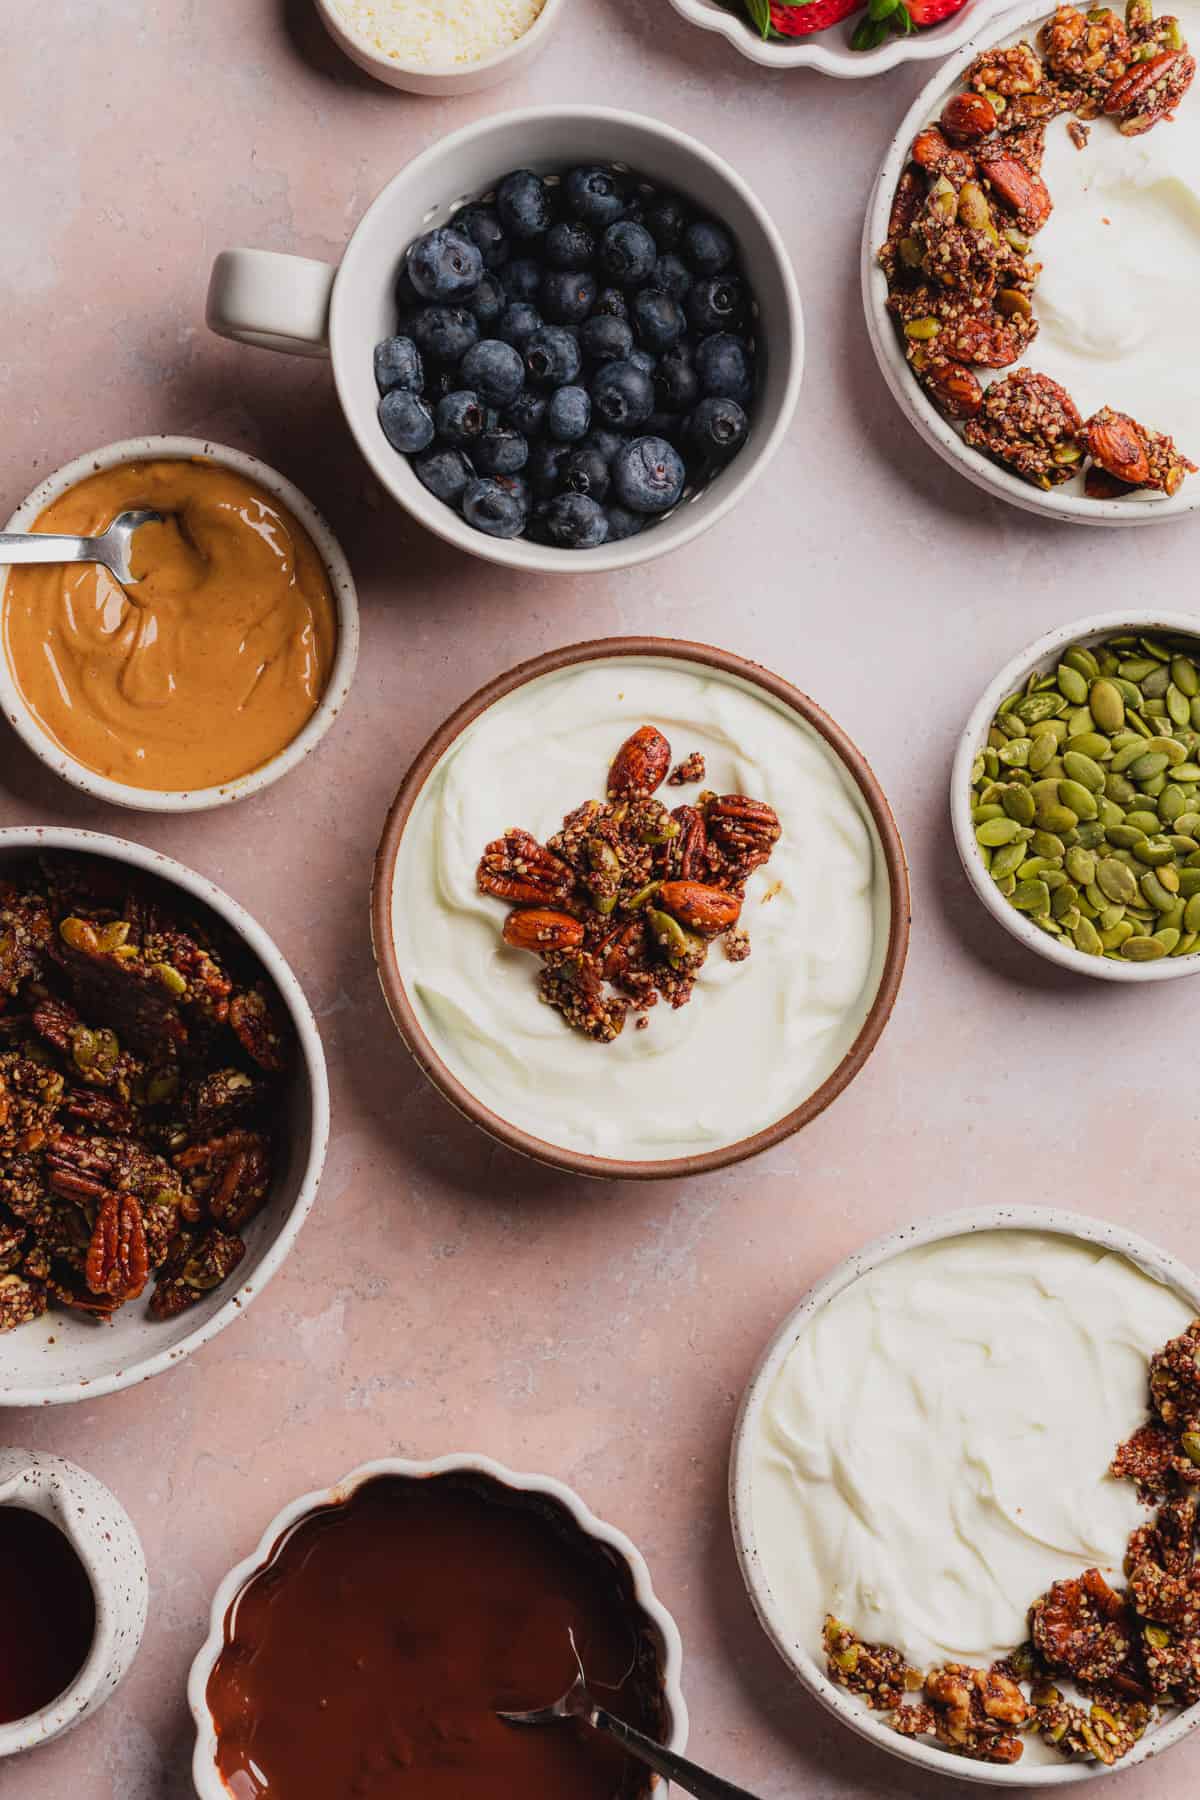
(567,295)
(518,322)
(482,225)
(552,357)
(570,245)
(676,384)
(521,278)
(495,369)
(545,467)
(527,414)
(444,264)
(594,195)
(622,394)
(718,428)
(645,360)
(716,303)
(501,452)
(607,444)
(707,247)
(724,367)
(495,506)
(672,275)
(444,333)
(445,473)
(648,475)
(666,218)
(628,253)
(574,521)
(605,339)
(523,202)
(460,417)
(487,302)
(406,420)
(658,320)
(585,471)
(622,523)
(398,365)
(569,414)
(612,301)
(406,294)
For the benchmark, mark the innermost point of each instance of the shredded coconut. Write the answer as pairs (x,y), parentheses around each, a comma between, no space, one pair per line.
(438,33)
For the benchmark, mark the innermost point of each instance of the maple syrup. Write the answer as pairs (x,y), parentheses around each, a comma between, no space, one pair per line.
(48,1616)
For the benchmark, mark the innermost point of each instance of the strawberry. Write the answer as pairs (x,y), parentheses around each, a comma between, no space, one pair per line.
(924,13)
(797,20)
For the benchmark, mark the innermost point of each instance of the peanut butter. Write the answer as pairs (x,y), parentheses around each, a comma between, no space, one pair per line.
(205,667)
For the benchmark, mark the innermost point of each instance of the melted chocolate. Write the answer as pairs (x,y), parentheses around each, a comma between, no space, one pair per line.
(47,1614)
(369,1657)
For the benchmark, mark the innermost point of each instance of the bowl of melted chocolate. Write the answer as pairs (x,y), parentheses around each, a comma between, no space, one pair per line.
(367,1646)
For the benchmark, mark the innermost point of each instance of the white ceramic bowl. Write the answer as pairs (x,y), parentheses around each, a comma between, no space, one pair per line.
(345,600)
(101,1534)
(443,79)
(829,51)
(61,1357)
(1044,656)
(791,1647)
(293,303)
(208,1783)
(1068,502)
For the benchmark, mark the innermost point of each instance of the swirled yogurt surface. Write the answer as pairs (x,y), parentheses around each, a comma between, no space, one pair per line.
(934,1451)
(759,1036)
(1116,299)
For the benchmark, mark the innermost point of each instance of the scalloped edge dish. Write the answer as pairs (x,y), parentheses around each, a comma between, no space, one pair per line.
(829,51)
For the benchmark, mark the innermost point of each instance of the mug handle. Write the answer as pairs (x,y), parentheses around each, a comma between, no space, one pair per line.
(273,301)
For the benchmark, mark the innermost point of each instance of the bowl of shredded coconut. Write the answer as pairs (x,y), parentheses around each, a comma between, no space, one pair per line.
(440,46)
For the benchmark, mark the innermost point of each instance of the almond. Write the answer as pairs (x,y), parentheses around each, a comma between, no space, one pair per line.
(640,765)
(1025,195)
(954,389)
(539,929)
(706,910)
(968,117)
(1114,441)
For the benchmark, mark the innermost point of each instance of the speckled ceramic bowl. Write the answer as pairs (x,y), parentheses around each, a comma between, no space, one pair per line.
(208,1783)
(1043,656)
(47,749)
(101,1533)
(788,1638)
(829,50)
(61,1356)
(442,79)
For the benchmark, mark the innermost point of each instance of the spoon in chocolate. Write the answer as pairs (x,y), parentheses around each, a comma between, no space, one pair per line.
(577,1703)
(111,548)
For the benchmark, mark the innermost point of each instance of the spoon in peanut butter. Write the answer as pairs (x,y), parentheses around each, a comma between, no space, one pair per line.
(577,1703)
(112,547)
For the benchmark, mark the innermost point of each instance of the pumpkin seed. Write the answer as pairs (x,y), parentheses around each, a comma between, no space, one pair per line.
(1081,866)
(1086,938)
(1017,803)
(997,831)
(1185,677)
(1031,896)
(1112,877)
(1142,949)
(1007,859)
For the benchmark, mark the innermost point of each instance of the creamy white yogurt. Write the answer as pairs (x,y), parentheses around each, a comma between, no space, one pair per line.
(1116,299)
(759,1036)
(934,1452)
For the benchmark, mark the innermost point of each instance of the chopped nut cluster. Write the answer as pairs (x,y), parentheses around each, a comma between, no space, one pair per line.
(623,903)
(139,1067)
(958,256)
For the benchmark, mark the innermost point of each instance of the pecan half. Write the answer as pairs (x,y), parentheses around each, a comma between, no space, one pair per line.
(741,826)
(708,910)
(118,1262)
(906,204)
(640,766)
(692,842)
(1150,91)
(259,1028)
(230,1175)
(539,929)
(516,867)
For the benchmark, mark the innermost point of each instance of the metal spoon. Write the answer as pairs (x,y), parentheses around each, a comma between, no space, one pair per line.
(111,548)
(577,1703)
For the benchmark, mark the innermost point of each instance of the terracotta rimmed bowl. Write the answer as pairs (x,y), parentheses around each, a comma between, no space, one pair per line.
(829,50)
(891,882)
(208,1782)
(48,750)
(443,79)
(60,1357)
(792,1648)
(1043,655)
(1068,503)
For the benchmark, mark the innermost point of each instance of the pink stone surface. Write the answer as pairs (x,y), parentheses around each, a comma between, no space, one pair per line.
(444,1294)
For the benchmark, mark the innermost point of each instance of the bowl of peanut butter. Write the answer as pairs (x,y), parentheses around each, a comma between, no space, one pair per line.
(212,673)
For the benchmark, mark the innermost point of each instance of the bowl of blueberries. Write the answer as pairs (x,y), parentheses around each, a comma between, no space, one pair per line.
(567,338)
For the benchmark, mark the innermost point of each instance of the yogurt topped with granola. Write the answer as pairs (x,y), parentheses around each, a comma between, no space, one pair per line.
(778,960)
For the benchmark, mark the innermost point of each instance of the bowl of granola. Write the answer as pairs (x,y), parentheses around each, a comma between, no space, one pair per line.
(164,1112)
(1028,263)
(640,908)
(975,1578)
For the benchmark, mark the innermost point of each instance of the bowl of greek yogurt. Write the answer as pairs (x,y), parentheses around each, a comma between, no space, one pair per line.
(905,1457)
(1120,258)
(766,1041)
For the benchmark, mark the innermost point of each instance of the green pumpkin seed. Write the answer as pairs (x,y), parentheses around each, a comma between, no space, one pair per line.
(1031,896)
(1079,657)
(1185,677)
(1112,877)
(1084,771)
(1018,804)
(1188,772)
(1007,859)
(1081,866)
(1031,707)
(1116,935)
(1109,916)
(1155,893)
(1064,898)
(1188,824)
(1142,821)
(1086,938)
(1148,764)
(1089,743)
(1186,944)
(1191,912)
(1136,668)
(1078,799)
(1172,802)
(1142,949)
(1044,843)
(1072,684)
(1090,835)
(1043,748)
(1179,709)
(996,831)
(1153,851)
(1168,937)
(1107,705)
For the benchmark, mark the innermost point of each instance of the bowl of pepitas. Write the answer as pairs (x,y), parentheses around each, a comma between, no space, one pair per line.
(164,1113)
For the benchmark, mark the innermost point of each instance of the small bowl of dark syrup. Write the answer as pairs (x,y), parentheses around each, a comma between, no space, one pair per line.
(73,1579)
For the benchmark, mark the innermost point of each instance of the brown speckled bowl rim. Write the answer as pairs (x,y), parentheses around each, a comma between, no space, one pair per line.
(404,1016)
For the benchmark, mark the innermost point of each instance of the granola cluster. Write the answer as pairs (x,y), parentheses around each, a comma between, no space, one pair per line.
(959,252)
(623,904)
(139,1071)
(1126,1654)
